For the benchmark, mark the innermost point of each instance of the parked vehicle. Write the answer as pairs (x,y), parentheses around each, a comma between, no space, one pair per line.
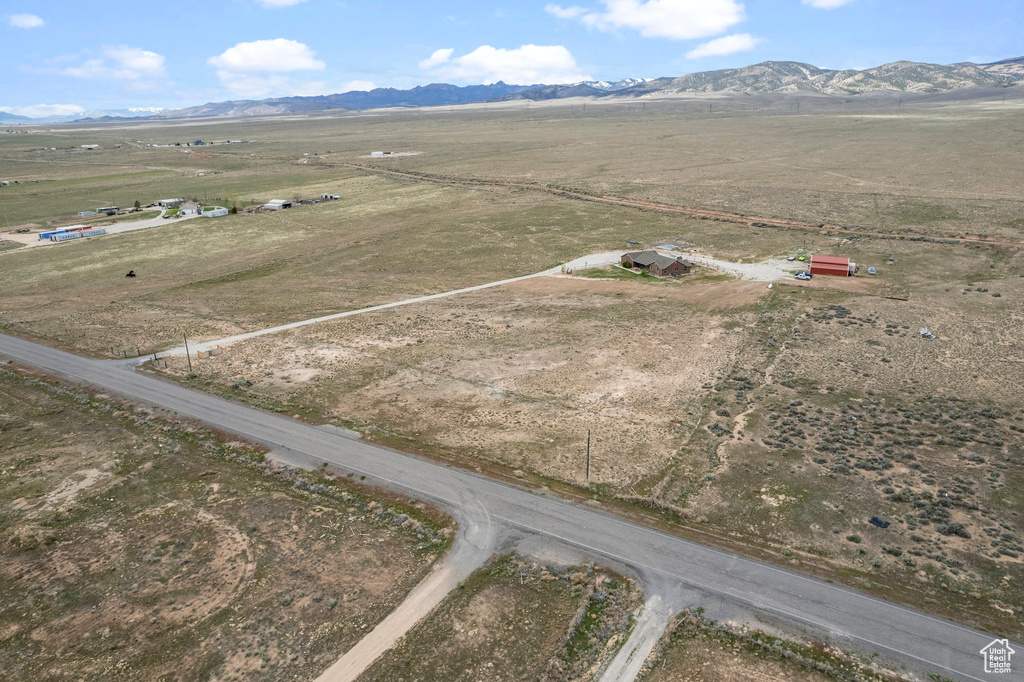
(790,257)
(803,275)
(871,271)
(801,259)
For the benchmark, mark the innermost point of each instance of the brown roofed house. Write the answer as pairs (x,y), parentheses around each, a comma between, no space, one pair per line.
(656,264)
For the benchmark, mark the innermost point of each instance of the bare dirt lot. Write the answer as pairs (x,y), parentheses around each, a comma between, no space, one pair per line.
(514,375)
(515,620)
(134,548)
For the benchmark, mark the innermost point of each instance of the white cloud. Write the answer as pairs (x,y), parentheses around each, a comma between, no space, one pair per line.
(276,4)
(25,21)
(739,42)
(257,69)
(674,19)
(523,65)
(43,110)
(826,4)
(275,55)
(438,57)
(565,12)
(120,62)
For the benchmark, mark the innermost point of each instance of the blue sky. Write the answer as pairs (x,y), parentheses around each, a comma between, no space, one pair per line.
(66,56)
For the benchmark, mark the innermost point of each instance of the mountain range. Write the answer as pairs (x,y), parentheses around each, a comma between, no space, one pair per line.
(766,77)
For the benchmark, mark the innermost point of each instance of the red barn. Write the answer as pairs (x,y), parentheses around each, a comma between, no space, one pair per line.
(832,265)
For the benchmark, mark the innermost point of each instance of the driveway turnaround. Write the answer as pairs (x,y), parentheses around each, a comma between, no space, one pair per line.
(850,619)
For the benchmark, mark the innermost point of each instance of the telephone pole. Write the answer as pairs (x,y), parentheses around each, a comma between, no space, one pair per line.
(187,356)
(588,458)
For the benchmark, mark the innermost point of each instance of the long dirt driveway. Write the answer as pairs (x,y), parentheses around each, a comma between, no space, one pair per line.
(765,271)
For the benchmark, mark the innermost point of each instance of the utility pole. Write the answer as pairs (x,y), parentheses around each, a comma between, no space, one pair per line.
(187,356)
(588,458)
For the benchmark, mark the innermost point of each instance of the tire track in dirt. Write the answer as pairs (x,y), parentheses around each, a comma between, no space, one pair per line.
(698,213)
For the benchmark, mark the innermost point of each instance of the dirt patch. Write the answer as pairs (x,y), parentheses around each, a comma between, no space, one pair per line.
(696,650)
(153,550)
(513,375)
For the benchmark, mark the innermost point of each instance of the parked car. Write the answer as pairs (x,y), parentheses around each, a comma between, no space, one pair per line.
(801,259)
(803,275)
(790,257)
(871,271)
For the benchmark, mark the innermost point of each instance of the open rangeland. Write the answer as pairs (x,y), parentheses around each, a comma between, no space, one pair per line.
(780,419)
(517,620)
(136,548)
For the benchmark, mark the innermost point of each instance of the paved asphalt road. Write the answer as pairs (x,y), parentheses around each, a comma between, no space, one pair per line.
(850,618)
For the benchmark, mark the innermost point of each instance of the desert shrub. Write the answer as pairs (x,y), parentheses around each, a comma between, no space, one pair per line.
(956,529)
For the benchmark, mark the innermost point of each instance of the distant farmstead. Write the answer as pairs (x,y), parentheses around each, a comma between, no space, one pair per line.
(656,264)
(278,204)
(832,265)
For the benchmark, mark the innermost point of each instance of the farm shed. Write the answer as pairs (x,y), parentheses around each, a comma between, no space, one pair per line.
(216,213)
(277,204)
(169,203)
(656,264)
(832,265)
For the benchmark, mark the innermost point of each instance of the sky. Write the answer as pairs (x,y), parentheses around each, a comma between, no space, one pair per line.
(63,57)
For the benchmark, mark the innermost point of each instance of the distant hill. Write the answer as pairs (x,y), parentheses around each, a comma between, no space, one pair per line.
(545,92)
(1007,67)
(798,77)
(14,118)
(615,85)
(766,77)
(433,95)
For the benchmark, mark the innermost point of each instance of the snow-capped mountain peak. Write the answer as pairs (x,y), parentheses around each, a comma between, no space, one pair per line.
(616,85)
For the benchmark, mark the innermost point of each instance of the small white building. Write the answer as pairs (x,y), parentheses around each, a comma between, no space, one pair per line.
(86,214)
(278,204)
(216,213)
(90,147)
(376,154)
(5,183)
(169,203)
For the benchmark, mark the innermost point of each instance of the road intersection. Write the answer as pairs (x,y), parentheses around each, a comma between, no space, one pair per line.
(849,618)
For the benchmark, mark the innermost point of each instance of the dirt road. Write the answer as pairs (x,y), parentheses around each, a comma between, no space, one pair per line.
(473,545)
(32,239)
(699,213)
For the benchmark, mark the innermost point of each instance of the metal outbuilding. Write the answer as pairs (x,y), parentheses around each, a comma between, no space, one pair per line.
(277,204)
(832,265)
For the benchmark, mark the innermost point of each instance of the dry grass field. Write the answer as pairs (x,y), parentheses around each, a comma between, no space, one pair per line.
(134,548)
(514,375)
(782,420)
(515,620)
(698,650)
